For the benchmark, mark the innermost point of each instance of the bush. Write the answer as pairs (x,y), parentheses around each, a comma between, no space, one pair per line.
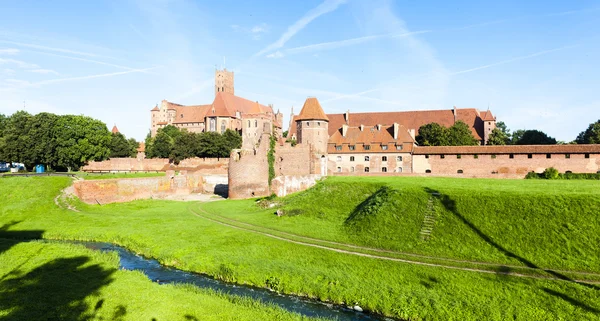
(550,173)
(532,175)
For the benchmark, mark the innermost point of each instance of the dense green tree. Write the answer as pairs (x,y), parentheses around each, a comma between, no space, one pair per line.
(498,137)
(80,139)
(591,135)
(535,137)
(41,131)
(133,147)
(212,144)
(148,142)
(120,146)
(186,146)
(233,140)
(516,136)
(432,134)
(285,134)
(17,145)
(460,134)
(162,145)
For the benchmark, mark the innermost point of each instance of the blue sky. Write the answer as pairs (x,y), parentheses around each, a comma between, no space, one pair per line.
(535,63)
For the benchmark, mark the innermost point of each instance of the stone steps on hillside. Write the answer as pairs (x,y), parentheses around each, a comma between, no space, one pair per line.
(429,220)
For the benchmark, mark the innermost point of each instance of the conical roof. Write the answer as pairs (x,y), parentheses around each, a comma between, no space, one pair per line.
(312,110)
(115,130)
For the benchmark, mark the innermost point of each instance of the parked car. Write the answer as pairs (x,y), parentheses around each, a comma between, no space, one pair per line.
(4,167)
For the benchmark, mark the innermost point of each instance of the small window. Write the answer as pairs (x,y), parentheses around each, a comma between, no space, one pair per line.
(399,158)
(587,155)
(567,155)
(399,169)
(339,147)
(352,169)
(398,147)
(339,158)
(428,171)
(476,156)
(181,115)
(384,147)
(511,155)
(442,156)
(307,124)
(318,123)
(384,169)
(493,156)
(460,171)
(384,159)
(568,172)
(489,123)
(256,123)
(426,156)
(529,156)
(339,169)
(351,147)
(366,169)
(367,147)
(351,158)
(548,155)
(248,124)
(459,156)
(366,158)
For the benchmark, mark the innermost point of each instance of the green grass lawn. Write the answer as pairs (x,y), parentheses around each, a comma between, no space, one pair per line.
(117,175)
(44,281)
(169,232)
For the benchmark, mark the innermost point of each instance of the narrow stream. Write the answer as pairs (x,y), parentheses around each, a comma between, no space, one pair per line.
(164,275)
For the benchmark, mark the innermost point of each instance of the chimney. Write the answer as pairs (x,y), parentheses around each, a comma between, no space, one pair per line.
(344,130)
(378,127)
(396,128)
(347,117)
(362,127)
(454,112)
(412,133)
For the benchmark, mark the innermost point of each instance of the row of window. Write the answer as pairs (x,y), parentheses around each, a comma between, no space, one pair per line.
(511,156)
(383,169)
(367,147)
(255,123)
(367,158)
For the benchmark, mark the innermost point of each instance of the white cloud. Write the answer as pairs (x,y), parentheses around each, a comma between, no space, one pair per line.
(44,71)
(261,28)
(325,7)
(276,54)
(9,51)
(256,32)
(19,63)
(46,48)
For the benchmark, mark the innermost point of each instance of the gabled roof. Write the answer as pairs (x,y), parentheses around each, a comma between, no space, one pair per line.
(408,119)
(227,104)
(190,114)
(155,108)
(370,136)
(312,110)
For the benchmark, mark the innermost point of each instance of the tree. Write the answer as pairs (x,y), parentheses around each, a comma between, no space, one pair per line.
(516,136)
(233,140)
(148,142)
(162,145)
(460,134)
(285,134)
(212,144)
(432,134)
(17,145)
(133,147)
(186,146)
(41,131)
(80,139)
(591,135)
(498,137)
(535,137)
(119,146)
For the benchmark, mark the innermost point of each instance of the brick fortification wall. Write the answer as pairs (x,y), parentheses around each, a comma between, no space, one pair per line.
(284,185)
(502,166)
(203,165)
(129,189)
(249,171)
(290,161)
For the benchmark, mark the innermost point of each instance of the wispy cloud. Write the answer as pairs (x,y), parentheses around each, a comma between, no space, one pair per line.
(325,7)
(256,31)
(9,51)
(46,48)
(44,71)
(98,62)
(18,63)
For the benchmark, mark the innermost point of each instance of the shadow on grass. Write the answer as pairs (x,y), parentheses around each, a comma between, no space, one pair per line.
(16,237)
(450,205)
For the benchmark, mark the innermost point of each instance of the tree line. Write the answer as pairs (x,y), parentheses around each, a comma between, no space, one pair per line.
(60,142)
(459,134)
(175,144)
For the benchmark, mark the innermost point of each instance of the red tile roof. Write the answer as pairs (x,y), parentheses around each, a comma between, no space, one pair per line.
(115,129)
(190,114)
(487,115)
(312,110)
(408,119)
(155,108)
(226,104)
(141,147)
(370,136)
(509,149)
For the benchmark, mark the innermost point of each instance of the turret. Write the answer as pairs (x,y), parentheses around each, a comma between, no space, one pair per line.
(312,126)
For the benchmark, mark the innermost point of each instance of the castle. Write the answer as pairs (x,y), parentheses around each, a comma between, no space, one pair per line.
(227,111)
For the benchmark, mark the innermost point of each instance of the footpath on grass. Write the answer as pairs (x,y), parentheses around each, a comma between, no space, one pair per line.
(584,278)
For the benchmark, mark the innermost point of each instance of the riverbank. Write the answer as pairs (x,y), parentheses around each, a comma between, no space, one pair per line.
(170,232)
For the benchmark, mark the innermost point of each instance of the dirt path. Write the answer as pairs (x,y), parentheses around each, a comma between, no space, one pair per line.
(501,268)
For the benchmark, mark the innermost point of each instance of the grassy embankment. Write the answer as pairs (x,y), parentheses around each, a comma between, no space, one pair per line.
(169,232)
(45,281)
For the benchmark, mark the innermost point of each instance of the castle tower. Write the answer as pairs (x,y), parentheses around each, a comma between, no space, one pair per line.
(489,124)
(224,81)
(312,126)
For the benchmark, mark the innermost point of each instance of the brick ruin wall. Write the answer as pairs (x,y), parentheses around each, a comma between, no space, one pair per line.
(129,189)
(248,174)
(202,165)
(503,166)
(284,185)
(290,161)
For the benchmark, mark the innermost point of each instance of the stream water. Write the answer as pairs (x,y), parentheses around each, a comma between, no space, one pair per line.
(161,274)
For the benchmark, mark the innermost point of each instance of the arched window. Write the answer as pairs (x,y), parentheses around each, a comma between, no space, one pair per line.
(307,124)
(222,126)
(256,123)
(460,171)
(366,158)
(352,169)
(339,169)
(351,158)
(339,158)
(384,159)
(399,158)
(384,169)
(428,171)
(213,125)
(399,169)
(248,123)
(366,169)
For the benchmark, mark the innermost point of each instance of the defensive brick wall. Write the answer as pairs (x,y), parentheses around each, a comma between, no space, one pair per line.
(129,189)
(249,171)
(284,185)
(290,161)
(203,165)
